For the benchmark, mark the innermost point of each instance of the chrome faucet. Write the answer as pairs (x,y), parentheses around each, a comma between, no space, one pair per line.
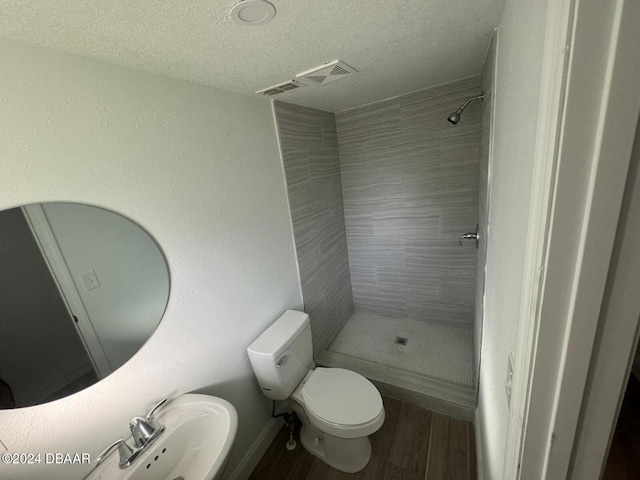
(144,430)
(470,236)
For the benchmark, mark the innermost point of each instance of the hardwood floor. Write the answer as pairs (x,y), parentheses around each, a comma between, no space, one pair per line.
(413,444)
(624,457)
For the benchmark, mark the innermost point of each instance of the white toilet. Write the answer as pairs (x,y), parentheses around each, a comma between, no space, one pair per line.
(339,408)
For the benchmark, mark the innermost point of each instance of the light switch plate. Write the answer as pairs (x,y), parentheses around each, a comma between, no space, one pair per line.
(90,280)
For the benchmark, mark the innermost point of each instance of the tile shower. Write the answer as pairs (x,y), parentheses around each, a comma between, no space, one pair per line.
(379,195)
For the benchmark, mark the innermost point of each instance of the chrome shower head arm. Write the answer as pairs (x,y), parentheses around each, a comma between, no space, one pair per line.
(455,117)
(464,105)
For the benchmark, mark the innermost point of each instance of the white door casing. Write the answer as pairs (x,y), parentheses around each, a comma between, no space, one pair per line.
(52,255)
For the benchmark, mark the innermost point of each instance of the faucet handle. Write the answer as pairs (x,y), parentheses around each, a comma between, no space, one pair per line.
(124,450)
(157,407)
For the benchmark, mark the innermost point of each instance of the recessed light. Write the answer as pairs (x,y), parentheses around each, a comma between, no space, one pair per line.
(252,12)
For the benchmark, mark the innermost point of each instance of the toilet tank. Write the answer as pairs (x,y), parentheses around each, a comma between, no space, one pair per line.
(282,355)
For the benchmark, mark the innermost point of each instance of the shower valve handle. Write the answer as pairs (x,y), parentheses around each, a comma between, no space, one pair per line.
(469,236)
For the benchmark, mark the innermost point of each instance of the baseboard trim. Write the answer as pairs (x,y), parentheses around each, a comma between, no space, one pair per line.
(477,427)
(257,450)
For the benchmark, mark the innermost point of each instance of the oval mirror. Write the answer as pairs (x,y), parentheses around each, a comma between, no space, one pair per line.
(83,289)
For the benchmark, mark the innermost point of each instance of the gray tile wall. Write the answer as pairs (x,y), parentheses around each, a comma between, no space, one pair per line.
(309,147)
(410,189)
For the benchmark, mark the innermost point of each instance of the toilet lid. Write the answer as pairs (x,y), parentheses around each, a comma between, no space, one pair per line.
(341,396)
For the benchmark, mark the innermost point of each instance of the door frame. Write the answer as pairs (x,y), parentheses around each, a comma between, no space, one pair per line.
(585,133)
(46,240)
(616,339)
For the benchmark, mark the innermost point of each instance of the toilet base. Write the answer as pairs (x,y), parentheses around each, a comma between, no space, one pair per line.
(349,455)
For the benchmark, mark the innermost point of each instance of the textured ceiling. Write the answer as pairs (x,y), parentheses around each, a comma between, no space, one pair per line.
(397,46)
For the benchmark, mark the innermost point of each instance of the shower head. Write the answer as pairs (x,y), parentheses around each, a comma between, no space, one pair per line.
(455,116)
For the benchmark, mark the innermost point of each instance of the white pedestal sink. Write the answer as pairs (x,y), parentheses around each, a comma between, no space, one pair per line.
(200,431)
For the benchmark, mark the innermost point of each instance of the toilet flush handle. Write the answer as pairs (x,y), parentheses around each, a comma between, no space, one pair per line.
(282,361)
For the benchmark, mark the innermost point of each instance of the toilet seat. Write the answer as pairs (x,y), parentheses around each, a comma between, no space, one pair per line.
(341,402)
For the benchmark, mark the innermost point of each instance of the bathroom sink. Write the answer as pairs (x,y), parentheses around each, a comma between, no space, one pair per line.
(200,430)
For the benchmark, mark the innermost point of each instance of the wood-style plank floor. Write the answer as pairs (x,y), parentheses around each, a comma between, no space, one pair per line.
(623,462)
(413,444)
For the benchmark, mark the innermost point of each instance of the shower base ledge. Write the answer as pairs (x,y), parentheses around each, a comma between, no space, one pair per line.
(437,395)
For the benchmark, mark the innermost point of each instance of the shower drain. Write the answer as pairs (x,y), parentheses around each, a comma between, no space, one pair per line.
(400,341)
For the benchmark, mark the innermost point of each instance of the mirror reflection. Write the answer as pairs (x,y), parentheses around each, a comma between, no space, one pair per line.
(82,288)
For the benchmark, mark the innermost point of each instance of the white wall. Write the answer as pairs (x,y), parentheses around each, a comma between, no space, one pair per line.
(517,88)
(196,167)
(127,306)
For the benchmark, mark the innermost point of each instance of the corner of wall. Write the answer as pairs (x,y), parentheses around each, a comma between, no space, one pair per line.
(478,424)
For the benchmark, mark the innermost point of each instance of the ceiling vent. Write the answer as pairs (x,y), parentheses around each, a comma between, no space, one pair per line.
(326,73)
(280,88)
